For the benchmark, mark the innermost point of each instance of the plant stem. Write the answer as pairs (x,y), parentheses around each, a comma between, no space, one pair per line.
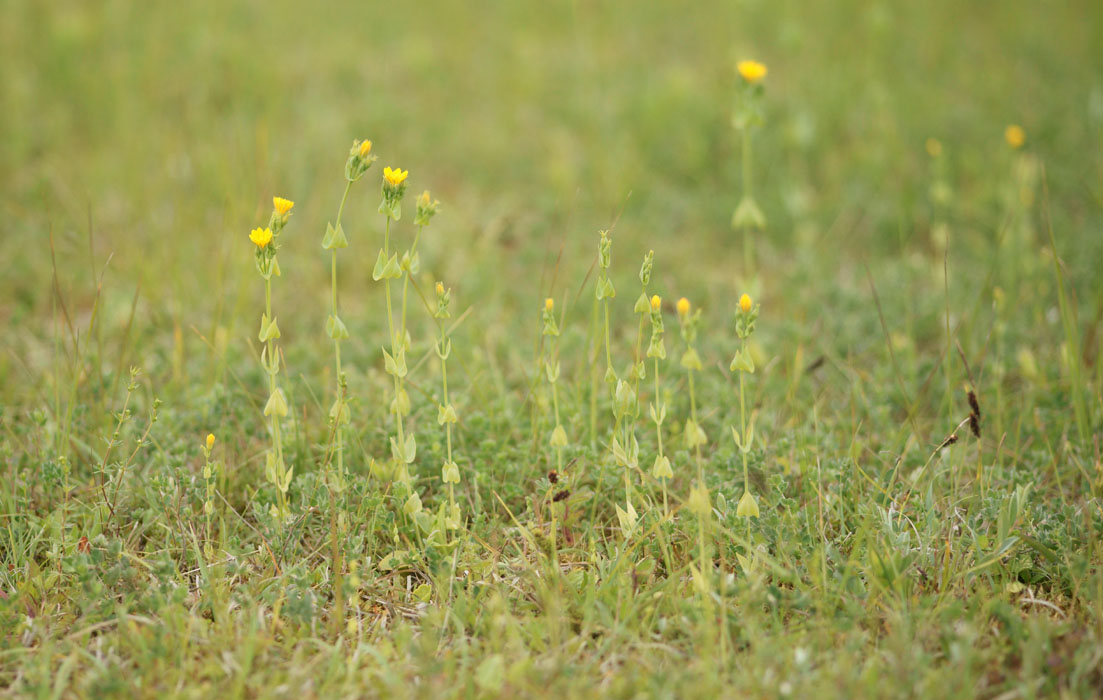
(277,439)
(593,375)
(394,349)
(338,448)
(555,406)
(447,424)
(659,434)
(748,242)
(700,469)
(743,426)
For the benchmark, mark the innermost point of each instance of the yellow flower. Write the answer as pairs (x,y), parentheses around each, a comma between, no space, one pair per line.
(934,147)
(423,200)
(395,177)
(365,148)
(210,440)
(656,303)
(683,306)
(752,71)
(440,288)
(261,236)
(549,304)
(745,303)
(1014,135)
(282,205)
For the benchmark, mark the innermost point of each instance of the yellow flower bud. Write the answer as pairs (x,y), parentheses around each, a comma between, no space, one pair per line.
(395,177)
(365,148)
(440,288)
(210,440)
(1014,135)
(656,303)
(549,304)
(282,205)
(261,237)
(683,306)
(745,303)
(751,71)
(423,200)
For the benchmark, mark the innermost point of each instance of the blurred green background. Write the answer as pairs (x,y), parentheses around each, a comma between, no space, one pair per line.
(164,129)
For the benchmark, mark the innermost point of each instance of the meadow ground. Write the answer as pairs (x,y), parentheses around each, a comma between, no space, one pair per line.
(880,477)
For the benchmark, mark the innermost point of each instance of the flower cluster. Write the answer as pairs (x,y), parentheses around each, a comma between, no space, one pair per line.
(394,187)
(656,348)
(426,209)
(266,241)
(359,160)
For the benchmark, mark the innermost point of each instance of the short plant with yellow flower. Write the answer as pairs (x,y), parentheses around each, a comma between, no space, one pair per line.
(750,92)
(698,501)
(558,439)
(387,268)
(745,316)
(266,240)
(210,471)
(656,350)
(358,161)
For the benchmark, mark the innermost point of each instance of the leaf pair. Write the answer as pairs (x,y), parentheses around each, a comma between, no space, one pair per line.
(386,269)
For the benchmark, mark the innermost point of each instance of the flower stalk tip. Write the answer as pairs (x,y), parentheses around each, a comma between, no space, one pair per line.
(751,71)
(261,237)
(282,205)
(395,176)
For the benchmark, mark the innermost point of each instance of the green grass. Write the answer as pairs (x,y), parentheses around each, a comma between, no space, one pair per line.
(141,143)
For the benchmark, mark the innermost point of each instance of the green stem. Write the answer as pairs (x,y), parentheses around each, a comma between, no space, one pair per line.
(748,242)
(609,366)
(693,415)
(207,468)
(406,281)
(638,356)
(277,439)
(700,471)
(608,351)
(338,445)
(338,428)
(394,342)
(593,376)
(537,380)
(555,406)
(743,425)
(400,382)
(447,425)
(747,162)
(659,434)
